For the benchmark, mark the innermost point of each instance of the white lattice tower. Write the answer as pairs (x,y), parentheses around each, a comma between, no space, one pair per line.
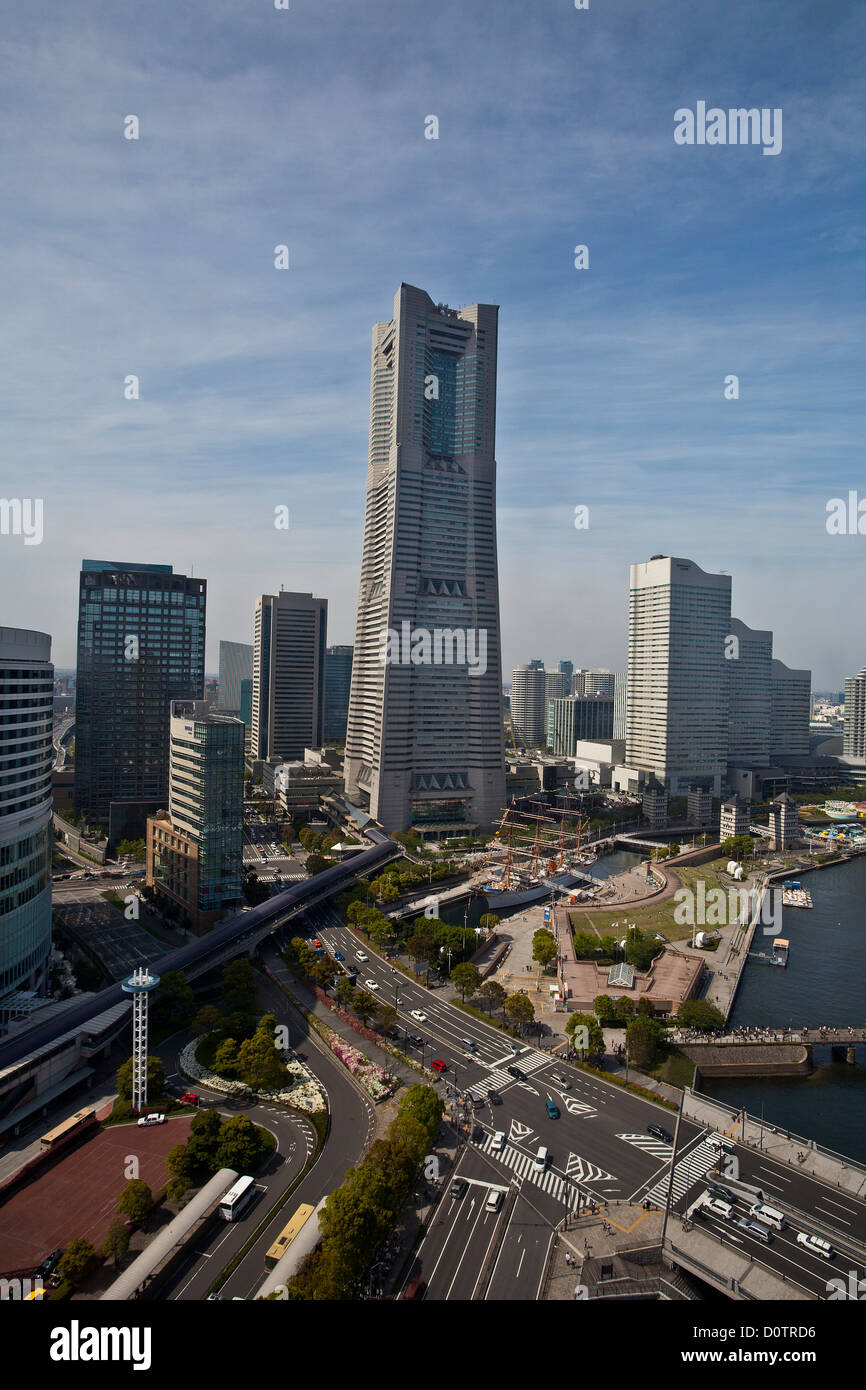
(140,984)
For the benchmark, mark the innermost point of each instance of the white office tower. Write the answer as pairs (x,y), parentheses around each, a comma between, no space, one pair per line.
(288,710)
(598,681)
(790,711)
(677,715)
(528,704)
(854,736)
(26,759)
(424,744)
(749,658)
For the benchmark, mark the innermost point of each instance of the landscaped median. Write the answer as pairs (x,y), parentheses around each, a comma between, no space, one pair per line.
(303,1092)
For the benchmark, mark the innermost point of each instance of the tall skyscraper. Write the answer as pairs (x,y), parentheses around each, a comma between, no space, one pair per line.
(194,855)
(291,633)
(141,631)
(567,669)
(748,670)
(236,666)
(26,759)
(790,711)
(677,711)
(528,707)
(854,736)
(580,717)
(620,696)
(338,683)
(425,737)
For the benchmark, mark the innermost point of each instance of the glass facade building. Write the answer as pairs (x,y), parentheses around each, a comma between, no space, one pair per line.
(338,682)
(288,697)
(26,760)
(141,631)
(236,667)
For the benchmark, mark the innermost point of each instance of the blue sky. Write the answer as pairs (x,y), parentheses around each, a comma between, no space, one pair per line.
(306,127)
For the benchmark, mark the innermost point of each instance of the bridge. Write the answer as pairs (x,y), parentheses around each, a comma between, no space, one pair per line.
(242,932)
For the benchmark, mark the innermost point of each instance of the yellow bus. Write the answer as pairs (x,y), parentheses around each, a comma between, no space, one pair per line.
(82,1119)
(287,1234)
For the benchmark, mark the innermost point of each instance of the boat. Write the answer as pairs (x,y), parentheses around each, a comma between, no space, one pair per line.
(525,889)
(780,950)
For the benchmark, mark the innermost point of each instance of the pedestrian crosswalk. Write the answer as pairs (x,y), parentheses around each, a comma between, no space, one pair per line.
(648,1144)
(690,1169)
(493,1081)
(564,1190)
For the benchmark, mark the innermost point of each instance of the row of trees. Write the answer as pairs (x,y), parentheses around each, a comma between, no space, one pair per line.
(359,1215)
(80,1257)
(214,1143)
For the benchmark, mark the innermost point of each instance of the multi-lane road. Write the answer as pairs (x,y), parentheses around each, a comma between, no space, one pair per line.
(599,1150)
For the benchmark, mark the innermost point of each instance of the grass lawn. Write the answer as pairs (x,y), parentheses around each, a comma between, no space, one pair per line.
(654,917)
(674,1068)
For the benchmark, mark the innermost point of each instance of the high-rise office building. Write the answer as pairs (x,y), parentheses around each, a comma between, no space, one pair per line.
(579,718)
(338,683)
(26,759)
(567,669)
(854,736)
(620,696)
(195,853)
(677,711)
(141,631)
(597,681)
(291,633)
(236,666)
(748,663)
(528,706)
(557,684)
(425,739)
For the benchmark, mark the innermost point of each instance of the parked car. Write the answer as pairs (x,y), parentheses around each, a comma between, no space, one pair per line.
(49,1264)
(147,1120)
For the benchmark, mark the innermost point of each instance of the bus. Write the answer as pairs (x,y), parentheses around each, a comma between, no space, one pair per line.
(287,1234)
(235,1202)
(81,1120)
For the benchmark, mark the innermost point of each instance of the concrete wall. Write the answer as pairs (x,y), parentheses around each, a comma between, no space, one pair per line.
(750,1059)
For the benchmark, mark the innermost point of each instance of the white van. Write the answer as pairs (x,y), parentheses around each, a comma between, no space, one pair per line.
(717,1207)
(768,1215)
(542,1159)
(815,1244)
(494,1200)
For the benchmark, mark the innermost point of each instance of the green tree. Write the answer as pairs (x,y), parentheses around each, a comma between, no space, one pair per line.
(226,1059)
(418,948)
(182,1166)
(604,1008)
(642,1042)
(492,995)
(315,863)
(259,1064)
(346,992)
(116,1242)
(645,1007)
(365,1004)
(136,1201)
(544,947)
(466,978)
(519,1010)
(489,921)
(208,1020)
(386,1016)
(239,987)
(624,1007)
(592,1037)
(204,1139)
(700,1013)
(77,1261)
(240,1146)
(155,1078)
(174,998)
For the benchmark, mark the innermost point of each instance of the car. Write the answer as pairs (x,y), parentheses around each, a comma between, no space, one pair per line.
(816,1245)
(372,984)
(542,1158)
(416,1288)
(420,1015)
(660,1133)
(49,1264)
(393,1034)
(477,1135)
(459,1187)
(338,955)
(438,1065)
(147,1120)
(560,1080)
(756,1229)
(494,1200)
(552,1110)
(719,1191)
(415,1039)
(494,1097)
(190,1098)
(516,1073)
(361,955)
(719,1145)
(497,1143)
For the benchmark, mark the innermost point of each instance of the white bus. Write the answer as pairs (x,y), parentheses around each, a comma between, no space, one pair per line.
(235,1202)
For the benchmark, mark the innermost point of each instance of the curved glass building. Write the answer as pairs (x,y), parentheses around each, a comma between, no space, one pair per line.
(26,758)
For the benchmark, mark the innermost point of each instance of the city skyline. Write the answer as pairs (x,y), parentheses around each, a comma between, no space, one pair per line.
(617,404)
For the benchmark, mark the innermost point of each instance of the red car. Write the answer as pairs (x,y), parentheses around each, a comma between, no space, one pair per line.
(438,1065)
(189,1099)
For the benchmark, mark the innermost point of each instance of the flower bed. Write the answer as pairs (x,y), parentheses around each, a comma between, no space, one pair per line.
(369,1074)
(303,1090)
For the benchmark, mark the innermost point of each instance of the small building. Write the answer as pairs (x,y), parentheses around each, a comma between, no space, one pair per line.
(655,805)
(784,823)
(699,806)
(735,818)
